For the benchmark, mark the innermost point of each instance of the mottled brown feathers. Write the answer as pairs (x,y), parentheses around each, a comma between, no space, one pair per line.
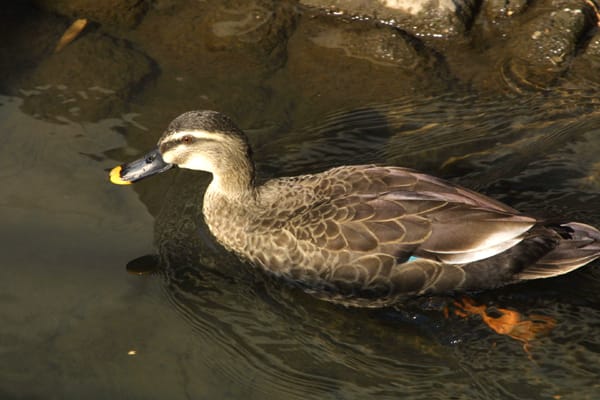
(367,234)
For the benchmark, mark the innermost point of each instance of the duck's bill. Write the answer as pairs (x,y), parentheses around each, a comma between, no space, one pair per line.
(151,164)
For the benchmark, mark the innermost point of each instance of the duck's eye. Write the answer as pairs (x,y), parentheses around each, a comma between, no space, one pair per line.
(187,139)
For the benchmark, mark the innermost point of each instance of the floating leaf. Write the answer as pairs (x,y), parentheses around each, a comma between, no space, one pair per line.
(70,34)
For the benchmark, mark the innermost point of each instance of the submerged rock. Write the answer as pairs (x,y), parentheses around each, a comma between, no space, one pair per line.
(216,47)
(252,34)
(378,44)
(334,63)
(259,29)
(90,78)
(430,18)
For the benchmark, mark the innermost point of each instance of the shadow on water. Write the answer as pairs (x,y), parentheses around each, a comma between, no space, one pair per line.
(286,343)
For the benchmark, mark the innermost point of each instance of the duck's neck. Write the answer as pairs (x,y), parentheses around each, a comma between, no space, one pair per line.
(234,182)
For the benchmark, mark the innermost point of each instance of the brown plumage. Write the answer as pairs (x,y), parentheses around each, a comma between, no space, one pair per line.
(364,235)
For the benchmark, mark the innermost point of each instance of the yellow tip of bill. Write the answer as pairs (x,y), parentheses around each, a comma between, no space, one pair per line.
(115,176)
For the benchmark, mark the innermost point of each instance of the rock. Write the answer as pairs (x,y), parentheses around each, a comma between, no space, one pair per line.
(87,80)
(423,18)
(121,13)
(543,48)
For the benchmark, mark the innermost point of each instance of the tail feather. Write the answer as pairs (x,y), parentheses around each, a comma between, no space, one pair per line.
(580,245)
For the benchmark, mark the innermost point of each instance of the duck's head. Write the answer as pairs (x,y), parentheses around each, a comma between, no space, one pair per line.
(199,140)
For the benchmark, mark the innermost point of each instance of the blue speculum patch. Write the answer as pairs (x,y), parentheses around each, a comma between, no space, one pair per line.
(412,258)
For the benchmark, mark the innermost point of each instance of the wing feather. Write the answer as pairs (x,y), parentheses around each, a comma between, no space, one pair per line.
(397,211)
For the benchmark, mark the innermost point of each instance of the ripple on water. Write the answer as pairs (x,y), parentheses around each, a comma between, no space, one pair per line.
(284,342)
(279,341)
(479,140)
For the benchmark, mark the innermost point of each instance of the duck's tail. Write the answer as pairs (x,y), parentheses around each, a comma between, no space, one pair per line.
(579,245)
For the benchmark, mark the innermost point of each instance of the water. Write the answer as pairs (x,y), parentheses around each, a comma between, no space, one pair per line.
(203,324)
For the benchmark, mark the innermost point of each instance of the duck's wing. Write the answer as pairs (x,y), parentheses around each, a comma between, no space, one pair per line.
(402,213)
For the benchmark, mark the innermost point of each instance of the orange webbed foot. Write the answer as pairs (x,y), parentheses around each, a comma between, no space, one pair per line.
(509,322)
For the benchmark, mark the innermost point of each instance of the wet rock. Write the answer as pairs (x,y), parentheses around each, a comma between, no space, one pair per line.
(496,9)
(378,44)
(543,48)
(88,80)
(424,18)
(122,13)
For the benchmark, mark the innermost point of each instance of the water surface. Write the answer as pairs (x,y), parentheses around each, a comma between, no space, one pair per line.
(206,325)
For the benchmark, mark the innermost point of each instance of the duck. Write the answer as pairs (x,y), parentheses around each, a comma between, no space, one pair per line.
(361,235)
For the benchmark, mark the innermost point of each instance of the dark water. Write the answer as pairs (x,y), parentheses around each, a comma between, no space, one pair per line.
(76,325)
